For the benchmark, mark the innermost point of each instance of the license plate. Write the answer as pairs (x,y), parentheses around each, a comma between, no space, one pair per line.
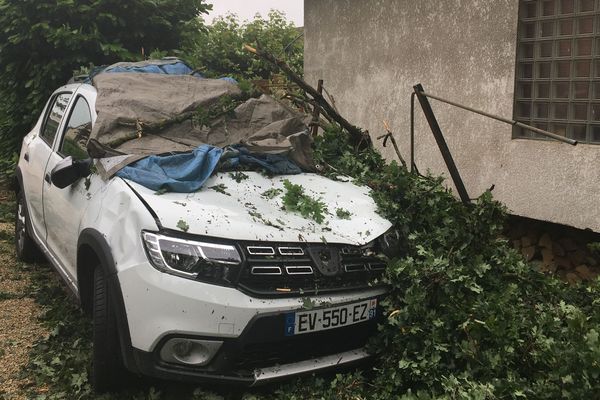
(297,323)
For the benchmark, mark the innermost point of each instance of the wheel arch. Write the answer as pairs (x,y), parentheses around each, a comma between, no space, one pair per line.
(93,250)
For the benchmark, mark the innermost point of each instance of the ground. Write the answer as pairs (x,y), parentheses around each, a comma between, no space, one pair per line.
(19,313)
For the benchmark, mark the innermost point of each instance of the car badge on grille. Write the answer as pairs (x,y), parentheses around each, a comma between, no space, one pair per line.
(326,259)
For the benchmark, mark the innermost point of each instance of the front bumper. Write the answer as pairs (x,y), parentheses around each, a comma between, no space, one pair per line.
(147,364)
(255,350)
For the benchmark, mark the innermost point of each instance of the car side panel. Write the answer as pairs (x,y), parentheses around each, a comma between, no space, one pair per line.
(34,156)
(63,211)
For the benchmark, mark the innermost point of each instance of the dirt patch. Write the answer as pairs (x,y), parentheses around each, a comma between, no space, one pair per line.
(19,313)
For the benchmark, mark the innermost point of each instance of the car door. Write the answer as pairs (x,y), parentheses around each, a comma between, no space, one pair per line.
(36,153)
(63,208)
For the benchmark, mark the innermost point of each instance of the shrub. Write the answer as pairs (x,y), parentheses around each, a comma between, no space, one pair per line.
(219,49)
(467,317)
(42,42)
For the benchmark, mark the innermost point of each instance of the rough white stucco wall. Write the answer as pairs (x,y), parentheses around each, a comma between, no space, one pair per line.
(371,53)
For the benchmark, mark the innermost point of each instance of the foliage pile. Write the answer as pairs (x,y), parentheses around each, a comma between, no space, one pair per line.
(467,318)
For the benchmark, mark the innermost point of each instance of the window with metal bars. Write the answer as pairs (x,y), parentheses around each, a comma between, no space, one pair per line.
(558,68)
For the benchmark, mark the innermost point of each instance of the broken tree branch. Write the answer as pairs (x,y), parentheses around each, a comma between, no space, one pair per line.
(358,138)
(389,135)
(331,99)
(311,102)
(142,127)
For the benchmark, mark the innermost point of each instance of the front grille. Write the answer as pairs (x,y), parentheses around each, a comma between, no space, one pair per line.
(299,270)
(284,268)
(265,270)
(260,250)
(290,251)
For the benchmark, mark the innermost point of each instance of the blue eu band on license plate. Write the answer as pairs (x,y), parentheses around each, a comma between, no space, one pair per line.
(321,319)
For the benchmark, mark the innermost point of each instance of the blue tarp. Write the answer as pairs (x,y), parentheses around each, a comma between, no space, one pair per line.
(176,67)
(187,172)
(183,173)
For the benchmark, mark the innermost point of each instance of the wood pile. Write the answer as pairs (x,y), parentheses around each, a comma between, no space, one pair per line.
(556,250)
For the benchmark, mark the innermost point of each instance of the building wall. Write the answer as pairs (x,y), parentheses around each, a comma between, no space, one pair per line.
(370,53)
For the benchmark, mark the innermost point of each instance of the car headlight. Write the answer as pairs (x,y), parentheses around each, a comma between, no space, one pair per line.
(204,261)
(389,243)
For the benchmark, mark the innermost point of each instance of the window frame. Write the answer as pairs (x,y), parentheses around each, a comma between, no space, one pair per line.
(550,103)
(73,103)
(47,115)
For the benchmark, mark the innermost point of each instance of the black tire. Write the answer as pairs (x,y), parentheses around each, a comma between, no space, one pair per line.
(107,368)
(25,247)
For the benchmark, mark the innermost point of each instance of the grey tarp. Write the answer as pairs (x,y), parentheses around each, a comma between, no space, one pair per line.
(141,114)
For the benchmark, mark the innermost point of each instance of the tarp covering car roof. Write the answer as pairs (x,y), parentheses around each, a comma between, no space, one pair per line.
(155,107)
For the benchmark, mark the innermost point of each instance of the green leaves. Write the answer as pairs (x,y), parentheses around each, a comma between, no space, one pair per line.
(343,213)
(294,199)
(271,193)
(217,51)
(184,226)
(471,320)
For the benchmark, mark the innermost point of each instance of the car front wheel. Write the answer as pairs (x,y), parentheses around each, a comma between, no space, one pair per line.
(107,368)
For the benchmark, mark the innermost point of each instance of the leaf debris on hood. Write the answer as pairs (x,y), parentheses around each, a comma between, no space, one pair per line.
(181,224)
(220,188)
(296,200)
(238,176)
(259,218)
(343,213)
(271,193)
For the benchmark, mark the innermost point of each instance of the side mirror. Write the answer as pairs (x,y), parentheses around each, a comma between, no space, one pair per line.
(67,171)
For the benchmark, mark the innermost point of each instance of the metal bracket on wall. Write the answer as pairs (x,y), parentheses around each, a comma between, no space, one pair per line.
(441,142)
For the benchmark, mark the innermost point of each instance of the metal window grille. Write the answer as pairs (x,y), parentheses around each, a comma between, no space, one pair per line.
(558,68)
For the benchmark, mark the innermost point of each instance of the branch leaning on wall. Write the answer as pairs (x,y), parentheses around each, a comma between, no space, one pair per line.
(358,137)
(389,135)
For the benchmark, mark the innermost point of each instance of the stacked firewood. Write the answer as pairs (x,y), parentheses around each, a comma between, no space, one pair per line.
(556,251)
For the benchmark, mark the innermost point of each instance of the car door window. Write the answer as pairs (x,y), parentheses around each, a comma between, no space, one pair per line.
(77,131)
(53,117)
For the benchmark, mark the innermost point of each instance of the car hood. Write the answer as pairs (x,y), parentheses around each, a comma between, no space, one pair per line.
(238,209)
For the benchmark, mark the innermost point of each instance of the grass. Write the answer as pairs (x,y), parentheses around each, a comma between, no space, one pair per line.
(7,208)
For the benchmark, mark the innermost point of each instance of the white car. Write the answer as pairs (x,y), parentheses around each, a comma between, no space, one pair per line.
(223,297)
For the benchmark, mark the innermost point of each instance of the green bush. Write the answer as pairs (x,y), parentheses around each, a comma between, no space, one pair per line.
(466,318)
(218,50)
(43,41)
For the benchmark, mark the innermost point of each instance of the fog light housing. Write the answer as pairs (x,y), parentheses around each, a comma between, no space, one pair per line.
(193,352)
